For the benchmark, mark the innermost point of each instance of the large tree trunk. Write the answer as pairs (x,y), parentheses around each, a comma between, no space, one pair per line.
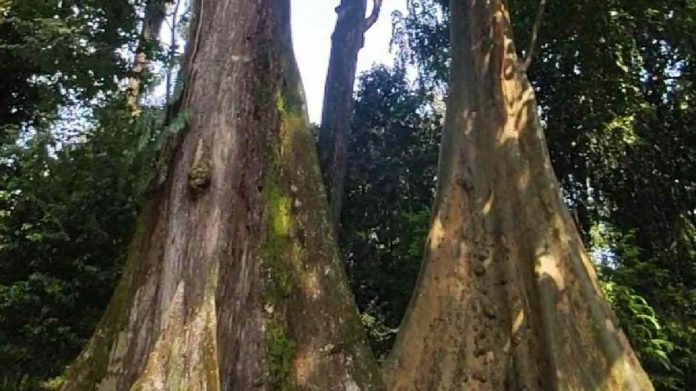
(507,298)
(346,42)
(233,280)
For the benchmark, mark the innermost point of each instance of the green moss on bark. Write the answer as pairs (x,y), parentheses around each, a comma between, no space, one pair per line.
(281,282)
(277,242)
(280,349)
(279,346)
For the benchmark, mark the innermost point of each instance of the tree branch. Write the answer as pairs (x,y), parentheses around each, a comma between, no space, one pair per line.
(535,35)
(370,20)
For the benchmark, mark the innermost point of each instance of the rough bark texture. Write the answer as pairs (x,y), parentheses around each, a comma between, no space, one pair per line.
(233,280)
(507,298)
(346,42)
(155,13)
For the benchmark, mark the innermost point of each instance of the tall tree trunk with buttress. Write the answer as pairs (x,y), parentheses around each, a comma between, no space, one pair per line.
(507,298)
(233,280)
(347,40)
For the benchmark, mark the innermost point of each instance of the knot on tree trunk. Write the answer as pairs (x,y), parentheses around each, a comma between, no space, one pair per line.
(199,177)
(200,173)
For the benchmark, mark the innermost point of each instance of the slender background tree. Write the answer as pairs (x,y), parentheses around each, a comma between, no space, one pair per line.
(347,40)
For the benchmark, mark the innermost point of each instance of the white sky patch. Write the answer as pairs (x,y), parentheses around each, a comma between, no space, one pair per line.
(313,22)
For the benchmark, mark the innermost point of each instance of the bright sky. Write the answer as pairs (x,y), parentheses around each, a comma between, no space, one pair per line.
(312,24)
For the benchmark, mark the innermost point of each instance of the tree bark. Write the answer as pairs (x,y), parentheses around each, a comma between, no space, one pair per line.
(507,297)
(155,13)
(233,279)
(346,41)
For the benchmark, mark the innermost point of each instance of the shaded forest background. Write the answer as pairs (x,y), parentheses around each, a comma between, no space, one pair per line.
(615,84)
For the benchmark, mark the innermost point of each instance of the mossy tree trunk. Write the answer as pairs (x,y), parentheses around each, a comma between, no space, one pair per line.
(347,40)
(233,280)
(507,297)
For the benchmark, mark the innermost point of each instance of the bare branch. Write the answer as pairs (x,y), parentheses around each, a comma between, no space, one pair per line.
(370,20)
(535,35)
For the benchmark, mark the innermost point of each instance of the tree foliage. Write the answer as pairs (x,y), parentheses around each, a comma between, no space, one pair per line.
(392,159)
(58,53)
(65,218)
(73,161)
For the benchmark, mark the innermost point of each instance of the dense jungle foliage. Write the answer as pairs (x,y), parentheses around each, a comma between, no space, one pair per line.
(616,87)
